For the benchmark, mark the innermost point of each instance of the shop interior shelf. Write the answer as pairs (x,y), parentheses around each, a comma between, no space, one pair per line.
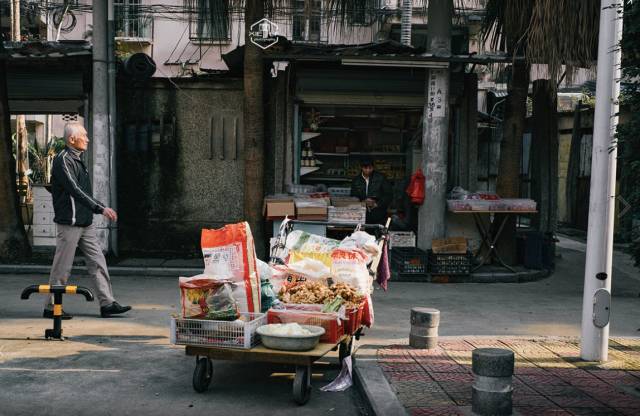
(360,154)
(332,154)
(308,169)
(329,178)
(377,154)
(306,135)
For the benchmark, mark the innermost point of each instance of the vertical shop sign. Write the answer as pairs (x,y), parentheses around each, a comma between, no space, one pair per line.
(435,107)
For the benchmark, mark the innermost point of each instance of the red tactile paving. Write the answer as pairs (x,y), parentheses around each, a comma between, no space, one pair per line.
(541,411)
(398,367)
(436,411)
(570,401)
(533,381)
(433,382)
(407,376)
(594,411)
(462,377)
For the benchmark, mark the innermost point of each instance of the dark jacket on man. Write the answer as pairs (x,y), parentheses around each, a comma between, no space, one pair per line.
(73,201)
(379,189)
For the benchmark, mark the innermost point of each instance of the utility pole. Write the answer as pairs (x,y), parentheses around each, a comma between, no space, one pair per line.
(597,278)
(22,149)
(111,30)
(101,150)
(435,127)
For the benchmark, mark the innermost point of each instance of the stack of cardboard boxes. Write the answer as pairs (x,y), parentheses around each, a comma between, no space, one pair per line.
(303,207)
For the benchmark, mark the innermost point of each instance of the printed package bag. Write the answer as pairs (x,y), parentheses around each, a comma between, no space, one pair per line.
(229,253)
(205,297)
(350,266)
(302,245)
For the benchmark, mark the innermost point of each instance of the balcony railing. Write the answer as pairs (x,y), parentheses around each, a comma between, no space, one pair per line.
(130,23)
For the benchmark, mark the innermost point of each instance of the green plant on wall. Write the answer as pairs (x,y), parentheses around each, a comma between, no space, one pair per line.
(40,159)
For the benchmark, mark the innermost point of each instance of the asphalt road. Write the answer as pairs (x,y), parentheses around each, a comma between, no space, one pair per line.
(126,366)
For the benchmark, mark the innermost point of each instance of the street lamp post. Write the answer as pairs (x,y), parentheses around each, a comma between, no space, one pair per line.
(597,278)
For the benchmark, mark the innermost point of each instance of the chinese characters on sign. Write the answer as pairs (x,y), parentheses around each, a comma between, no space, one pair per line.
(436,91)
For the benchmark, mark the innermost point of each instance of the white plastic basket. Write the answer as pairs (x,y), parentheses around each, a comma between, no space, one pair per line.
(240,333)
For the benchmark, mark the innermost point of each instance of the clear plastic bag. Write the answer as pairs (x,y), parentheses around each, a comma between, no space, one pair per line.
(344,379)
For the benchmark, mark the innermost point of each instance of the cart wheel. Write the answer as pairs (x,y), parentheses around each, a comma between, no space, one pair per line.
(302,385)
(345,350)
(202,375)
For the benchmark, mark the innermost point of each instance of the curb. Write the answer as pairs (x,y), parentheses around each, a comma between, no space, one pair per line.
(481,277)
(113,270)
(373,385)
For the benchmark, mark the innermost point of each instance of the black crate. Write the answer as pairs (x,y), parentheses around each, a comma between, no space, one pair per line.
(450,264)
(409,260)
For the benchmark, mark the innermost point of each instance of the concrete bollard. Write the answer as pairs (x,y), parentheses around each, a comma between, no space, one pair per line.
(424,328)
(492,389)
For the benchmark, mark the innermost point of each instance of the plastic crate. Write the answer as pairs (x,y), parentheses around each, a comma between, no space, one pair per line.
(402,239)
(409,260)
(333,328)
(354,320)
(240,333)
(449,264)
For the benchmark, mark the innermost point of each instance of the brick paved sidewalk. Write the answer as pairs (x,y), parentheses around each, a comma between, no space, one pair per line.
(550,379)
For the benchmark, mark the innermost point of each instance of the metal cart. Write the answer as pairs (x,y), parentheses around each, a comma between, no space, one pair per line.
(302,361)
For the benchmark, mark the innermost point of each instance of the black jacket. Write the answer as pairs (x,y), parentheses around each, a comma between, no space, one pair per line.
(379,189)
(73,201)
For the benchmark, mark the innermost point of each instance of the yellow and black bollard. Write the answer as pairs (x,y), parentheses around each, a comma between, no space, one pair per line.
(57,291)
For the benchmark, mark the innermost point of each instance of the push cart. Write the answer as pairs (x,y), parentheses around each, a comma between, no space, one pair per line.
(214,340)
(302,361)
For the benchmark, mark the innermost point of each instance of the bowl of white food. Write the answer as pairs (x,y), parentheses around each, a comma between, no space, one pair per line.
(290,337)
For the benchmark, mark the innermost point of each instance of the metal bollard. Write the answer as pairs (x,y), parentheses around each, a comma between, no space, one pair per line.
(57,291)
(492,389)
(424,328)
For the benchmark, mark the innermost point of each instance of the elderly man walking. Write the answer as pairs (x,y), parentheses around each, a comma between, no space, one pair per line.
(74,207)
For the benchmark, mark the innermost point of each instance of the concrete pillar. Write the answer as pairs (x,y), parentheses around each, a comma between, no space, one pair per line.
(113,195)
(492,389)
(424,328)
(100,116)
(435,132)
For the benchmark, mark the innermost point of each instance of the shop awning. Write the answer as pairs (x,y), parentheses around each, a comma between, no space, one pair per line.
(48,77)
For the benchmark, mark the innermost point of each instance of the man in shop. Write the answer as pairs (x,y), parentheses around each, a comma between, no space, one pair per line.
(74,207)
(372,188)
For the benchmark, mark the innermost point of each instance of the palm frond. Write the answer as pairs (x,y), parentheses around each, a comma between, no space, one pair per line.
(551,32)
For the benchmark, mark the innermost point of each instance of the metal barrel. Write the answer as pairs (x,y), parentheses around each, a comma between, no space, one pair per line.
(492,388)
(424,328)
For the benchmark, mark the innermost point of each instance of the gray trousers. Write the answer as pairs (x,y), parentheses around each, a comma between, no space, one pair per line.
(67,239)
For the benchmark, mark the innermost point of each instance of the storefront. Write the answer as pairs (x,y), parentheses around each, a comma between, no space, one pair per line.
(344,115)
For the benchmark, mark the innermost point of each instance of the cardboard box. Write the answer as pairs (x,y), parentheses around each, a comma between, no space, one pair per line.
(277,208)
(312,213)
(452,245)
(346,201)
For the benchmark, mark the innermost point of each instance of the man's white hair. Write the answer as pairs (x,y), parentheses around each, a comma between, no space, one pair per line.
(72,129)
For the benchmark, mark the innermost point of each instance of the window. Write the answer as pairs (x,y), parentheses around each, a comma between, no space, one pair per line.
(209,20)
(307,22)
(129,20)
(357,12)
